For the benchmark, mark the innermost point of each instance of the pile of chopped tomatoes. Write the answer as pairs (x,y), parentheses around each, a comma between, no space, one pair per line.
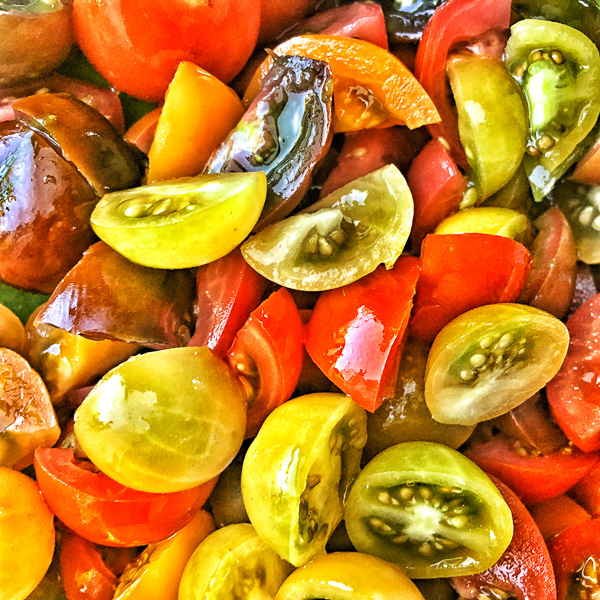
(298,298)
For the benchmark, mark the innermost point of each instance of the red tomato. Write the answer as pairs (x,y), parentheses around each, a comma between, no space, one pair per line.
(355,332)
(524,571)
(557,514)
(437,187)
(551,283)
(576,555)
(532,477)
(141,133)
(588,168)
(463,271)
(370,149)
(106,512)
(453,22)
(267,353)
(277,16)
(574,394)
(228,290)
(84,574)
(587,491)
(138,44)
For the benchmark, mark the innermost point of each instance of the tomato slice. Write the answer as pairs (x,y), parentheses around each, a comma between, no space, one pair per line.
(557,514)
(463,271)
(533,478)
(106,512)
(355,332)
(523,571)
(437,187)
(587,491)
(574,394)
(453,22)
(141,133)
(267,353)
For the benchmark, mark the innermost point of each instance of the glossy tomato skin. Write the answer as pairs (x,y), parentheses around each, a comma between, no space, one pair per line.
(524,570)
(574,394)
(277,16)
(355,332)
(137,44)
(105,512)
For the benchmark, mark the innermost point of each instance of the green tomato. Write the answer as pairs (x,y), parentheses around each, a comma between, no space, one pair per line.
(493,133)
(516,194)
(298,469)
(348,576)
(341,238)
(491,359)
(430,510)
(181,223)
(233,563)
(164,421)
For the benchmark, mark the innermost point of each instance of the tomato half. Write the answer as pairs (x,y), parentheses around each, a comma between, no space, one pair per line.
(355,332)
(106,512)
(267,353)
(574,394)
(137,45)
(462,271)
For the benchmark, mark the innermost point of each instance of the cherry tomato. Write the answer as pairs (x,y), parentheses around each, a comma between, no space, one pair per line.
(557,514)
(587,491)
(106,512)
(355,332)
(276,17)
(141,133)
(137,46)
(267,352)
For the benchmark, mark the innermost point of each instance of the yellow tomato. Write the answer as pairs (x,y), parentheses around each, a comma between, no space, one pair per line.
(12,332)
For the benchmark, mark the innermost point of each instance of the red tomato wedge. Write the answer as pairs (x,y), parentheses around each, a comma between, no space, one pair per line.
(454,22)
(355,332)
(463,271)
(268,352)
(587,491)
(533,478)
(106,512)
(524,571)
(228,290)
(371,86)
(557,514)
(574,394)
(437,187)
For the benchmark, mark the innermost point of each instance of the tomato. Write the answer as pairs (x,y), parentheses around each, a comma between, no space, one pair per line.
(437,188)
(298,469)
(340,239)
(523,571)
(355,333)
(585,287)
(181,223)
(137,46)
(363,576)
(226,502)
(233,562)
(557,514)
(267,352)
(228,290)
(463,271)
(574,393)
(26,534)
(130,424)
(27,418)
(429,509)
(491,359)
(454,21)
(533,477)
(276,17)
(141,133)
(106,512)
(587,491)
(575,554)
(588,168)
(84,574)
(12,332)
(156,573)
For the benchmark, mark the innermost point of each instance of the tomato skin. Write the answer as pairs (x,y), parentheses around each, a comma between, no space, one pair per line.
(355,332)
(574,394)
(525,568)
(277,16)
(455,21)
(437,187)
(462,271)
(557,514)
(141,133)
(271,340)
(106,512)
(137,44)
(587,491)
(532,478)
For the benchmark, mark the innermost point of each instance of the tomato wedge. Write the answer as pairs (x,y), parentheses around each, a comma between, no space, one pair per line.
(355,332)
(106,512)
(371,86)
(587,491)
(267,353)
(463,271)
(557,514)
